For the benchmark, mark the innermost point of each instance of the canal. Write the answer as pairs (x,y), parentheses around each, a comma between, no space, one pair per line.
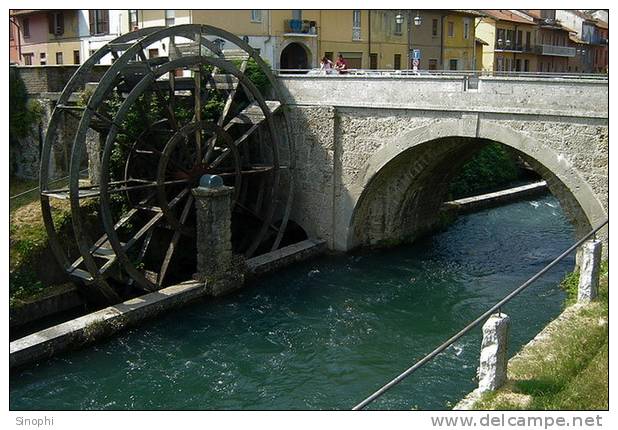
(326,333)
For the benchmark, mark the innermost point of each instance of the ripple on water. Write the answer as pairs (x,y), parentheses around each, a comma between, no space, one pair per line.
(326,333)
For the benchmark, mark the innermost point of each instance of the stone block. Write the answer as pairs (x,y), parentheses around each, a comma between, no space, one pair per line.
(493,363)
(589,268)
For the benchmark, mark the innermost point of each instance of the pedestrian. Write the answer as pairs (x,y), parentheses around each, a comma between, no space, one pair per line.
(341,66)
(326,65)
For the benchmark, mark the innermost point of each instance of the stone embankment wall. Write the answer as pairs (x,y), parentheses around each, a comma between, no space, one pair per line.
(374,155)
(44,84)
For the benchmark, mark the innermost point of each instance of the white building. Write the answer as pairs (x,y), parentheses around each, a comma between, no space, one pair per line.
(98,27)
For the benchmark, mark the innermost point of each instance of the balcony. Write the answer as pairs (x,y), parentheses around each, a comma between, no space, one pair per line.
(555,51)
(298,27)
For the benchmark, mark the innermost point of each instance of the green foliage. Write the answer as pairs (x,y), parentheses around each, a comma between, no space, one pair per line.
(491,168)
(257,76)
(570,285)
(23,113)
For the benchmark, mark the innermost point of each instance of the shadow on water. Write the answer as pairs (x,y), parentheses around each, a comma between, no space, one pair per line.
(326,333)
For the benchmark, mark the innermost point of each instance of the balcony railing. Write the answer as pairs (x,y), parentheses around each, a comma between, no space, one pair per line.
(513,47)
(298,26)
(556,51)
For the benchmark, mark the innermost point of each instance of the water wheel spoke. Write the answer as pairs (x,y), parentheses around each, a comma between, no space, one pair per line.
(224,113)
(175,238)
(171,115)
(256,216)
(226,152)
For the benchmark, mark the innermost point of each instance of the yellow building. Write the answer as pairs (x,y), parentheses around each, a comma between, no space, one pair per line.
(459,40)
(298,39)
(510,39)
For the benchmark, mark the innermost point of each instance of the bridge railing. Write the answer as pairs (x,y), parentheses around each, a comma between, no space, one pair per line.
(497,307)
(446,73)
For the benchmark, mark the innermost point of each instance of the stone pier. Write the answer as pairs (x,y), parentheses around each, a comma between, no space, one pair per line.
(493,364)
(589,269)
(216,265)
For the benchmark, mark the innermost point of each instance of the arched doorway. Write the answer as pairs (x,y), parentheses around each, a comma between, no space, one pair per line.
(294,56)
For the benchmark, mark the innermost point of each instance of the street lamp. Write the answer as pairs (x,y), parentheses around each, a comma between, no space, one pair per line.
(399,18)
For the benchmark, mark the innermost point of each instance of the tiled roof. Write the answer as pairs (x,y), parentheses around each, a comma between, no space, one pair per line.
(506,15)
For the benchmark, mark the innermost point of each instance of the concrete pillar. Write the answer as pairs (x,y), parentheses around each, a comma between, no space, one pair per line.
(216,265)
(492,369)
(589,269)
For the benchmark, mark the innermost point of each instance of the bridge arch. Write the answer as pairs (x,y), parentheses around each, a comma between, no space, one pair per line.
(400,190)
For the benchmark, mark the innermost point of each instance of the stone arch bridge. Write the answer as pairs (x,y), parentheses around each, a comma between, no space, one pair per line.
(375,154)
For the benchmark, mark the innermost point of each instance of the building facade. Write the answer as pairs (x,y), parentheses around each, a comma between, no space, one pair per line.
(46,37)
(510,41)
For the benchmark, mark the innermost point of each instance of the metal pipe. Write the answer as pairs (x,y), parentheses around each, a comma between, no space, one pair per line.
(474,323)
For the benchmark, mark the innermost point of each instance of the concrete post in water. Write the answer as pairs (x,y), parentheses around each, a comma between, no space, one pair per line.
(589,269)
(492,369)
(215,261)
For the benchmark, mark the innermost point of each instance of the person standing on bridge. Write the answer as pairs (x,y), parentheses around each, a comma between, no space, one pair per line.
(326,65)
(341,66)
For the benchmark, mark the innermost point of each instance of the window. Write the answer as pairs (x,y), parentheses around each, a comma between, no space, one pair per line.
(433,63)
(398,26)
(526,65)
(28,59)
(527,40)
(519,38)
(25,25)
(500,64)
(518,65)
(466,28)
(451,29)
(59,59)
(11,30)
(56,23)
(453,64)
(256,15)
(153,53)
(397,62)
(500,38)
(373,61)
(99,21)
(43,58)
(133,24)
(170,17)
(434,27)
(356,24)
(354,59)
(76,59)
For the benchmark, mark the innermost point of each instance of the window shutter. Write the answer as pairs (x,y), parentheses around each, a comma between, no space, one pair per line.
(105,23)
(50,22)
(91,21)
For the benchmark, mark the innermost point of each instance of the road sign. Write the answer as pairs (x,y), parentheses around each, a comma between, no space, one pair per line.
(416,54)
(415,62)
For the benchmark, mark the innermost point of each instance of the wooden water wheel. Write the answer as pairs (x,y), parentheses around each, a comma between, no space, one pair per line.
(164,122)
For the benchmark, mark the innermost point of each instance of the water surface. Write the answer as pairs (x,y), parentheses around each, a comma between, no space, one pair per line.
(326,333)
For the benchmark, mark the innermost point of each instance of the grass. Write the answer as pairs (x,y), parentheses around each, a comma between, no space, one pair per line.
(567,367)
(18,186)
(27,245)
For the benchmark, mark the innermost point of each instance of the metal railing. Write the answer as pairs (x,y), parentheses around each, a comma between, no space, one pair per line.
(440,73)
(475,323)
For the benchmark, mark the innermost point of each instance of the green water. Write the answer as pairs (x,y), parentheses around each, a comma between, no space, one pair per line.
(326,333)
